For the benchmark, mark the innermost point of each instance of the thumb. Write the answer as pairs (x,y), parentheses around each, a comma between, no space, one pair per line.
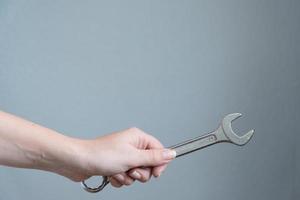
(155,157)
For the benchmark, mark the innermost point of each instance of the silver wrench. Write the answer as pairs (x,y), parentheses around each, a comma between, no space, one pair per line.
(223,134)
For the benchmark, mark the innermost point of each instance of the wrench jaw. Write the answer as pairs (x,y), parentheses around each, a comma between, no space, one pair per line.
(229,133)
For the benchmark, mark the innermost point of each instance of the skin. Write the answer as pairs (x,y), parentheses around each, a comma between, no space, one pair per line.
(123,156)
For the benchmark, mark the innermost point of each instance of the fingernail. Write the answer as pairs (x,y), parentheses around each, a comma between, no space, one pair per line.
(136,175)
(119,177)
(169,154)
(157,175)
(160,173)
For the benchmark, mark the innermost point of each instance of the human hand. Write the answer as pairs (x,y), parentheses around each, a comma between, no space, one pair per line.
(123,156)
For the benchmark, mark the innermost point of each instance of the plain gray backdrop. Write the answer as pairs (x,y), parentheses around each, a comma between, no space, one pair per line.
(171,68)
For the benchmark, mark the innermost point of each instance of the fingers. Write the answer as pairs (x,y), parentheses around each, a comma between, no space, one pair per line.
(140,174)
(144,140)
(157,171)
(114,182)
(121,179)
(154,157)
(151,142)
(147,157)
(150,152)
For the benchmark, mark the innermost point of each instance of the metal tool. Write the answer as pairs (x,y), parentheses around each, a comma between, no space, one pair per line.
(223,134)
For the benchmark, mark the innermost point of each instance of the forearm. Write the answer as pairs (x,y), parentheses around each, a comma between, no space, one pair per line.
(28,145)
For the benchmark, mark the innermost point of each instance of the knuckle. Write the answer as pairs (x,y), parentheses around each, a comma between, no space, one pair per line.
(137,130)
(134,129)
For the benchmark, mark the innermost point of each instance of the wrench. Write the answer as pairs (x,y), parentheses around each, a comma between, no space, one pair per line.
(223,134)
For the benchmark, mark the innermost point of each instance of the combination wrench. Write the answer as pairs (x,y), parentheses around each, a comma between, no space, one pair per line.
(224,133)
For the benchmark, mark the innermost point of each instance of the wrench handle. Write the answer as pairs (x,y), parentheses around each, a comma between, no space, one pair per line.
(194,144)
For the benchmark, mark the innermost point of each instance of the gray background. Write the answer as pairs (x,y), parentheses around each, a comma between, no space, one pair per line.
(172,68)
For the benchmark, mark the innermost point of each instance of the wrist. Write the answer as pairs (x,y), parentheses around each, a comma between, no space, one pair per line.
(62,155)
(79,160)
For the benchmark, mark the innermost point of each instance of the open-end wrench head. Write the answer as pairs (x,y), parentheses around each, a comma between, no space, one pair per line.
(232,137)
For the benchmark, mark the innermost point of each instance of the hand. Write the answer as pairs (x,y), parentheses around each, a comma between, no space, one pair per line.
(123,156)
